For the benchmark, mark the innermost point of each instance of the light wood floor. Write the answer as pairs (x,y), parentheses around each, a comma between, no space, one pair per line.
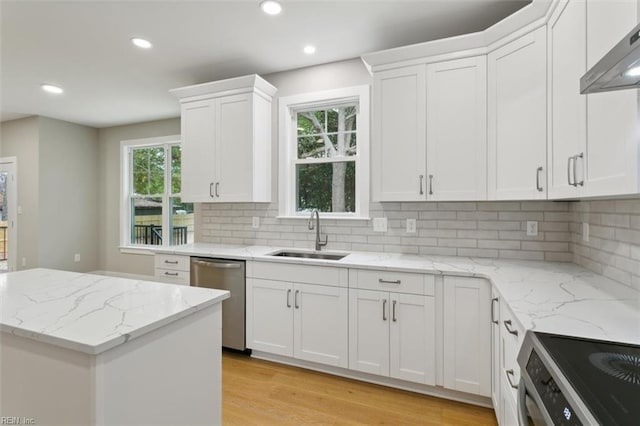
(256,392)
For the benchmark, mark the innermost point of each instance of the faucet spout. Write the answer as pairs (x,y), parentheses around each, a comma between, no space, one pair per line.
(316,226)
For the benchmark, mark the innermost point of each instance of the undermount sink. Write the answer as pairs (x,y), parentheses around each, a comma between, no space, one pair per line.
(309,255)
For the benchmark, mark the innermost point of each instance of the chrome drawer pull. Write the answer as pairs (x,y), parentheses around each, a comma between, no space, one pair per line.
(507,325)
(384,309)
(421,180)
(295,299)
(172,274)
(538,186)
(171,262)
(430,184)
(510,373)
(288,298)
(380,280)
(394,317)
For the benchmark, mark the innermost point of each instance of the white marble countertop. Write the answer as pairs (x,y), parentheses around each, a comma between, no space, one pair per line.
(92,313)
(552,297)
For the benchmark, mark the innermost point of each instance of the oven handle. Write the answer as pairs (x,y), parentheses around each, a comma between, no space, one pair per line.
(522,404)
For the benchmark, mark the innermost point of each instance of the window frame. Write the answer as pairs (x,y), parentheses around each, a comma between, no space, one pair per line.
(126,164)
(288,137)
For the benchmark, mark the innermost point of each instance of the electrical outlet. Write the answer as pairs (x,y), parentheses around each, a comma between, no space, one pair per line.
(19,209)
(255,224)
(379,224)
(411,226)
(532,228)
(585,232)
(76,257)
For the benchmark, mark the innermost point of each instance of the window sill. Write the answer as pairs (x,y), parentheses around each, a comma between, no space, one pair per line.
(143,250)
(325,217)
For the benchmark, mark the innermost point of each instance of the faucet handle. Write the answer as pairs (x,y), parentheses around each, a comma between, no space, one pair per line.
(325,242)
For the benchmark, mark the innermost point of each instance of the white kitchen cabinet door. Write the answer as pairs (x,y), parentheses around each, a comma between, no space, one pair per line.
(567,111)
(517,119)
(270,316)
(495,353)
(198,154)
(457,130)
(321,324)
(612,117)
(369,331)
(467,335)
(412,338)
(398,140)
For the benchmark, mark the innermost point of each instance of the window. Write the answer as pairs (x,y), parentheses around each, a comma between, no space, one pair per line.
(324,153)
(151,200)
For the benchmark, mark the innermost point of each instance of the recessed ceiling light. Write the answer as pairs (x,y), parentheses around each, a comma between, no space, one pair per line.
(141,43)
(633,72)
(271,7)
(309,49)
(51,88)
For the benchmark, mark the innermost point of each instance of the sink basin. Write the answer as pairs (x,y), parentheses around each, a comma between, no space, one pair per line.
(309,255)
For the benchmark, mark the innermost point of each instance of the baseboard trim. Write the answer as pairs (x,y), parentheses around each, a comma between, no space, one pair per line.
(436,391)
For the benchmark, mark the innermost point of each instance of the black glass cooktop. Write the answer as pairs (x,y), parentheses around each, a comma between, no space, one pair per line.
(606,375)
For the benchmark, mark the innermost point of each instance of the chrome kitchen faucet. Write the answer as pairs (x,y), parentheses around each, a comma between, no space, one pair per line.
(319,243)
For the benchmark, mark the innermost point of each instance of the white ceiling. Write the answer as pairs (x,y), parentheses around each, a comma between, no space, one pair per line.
(84,47)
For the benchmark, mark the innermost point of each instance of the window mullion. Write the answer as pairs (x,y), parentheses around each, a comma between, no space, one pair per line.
(166,213)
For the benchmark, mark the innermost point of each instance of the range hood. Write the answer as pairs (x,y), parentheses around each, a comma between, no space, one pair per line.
(619,69)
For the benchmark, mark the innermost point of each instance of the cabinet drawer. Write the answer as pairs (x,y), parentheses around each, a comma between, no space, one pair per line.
(172,276)
(306,274)
(172,261)
(400,282)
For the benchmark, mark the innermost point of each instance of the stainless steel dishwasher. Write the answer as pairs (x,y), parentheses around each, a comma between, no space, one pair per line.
(228,275)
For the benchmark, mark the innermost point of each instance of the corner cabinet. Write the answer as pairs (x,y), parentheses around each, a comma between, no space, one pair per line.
(429,138)
(226,140)
(517,125)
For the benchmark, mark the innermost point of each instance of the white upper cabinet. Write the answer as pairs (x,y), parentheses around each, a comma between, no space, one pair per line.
(226,140)
(612,121)
(429,139)
(517,125)
(457,129)
(398,150)
(567,107)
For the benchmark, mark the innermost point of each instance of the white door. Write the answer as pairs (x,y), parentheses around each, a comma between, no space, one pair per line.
(398,141)
(198,151)
(467,335)
(8,214)
(612,117)
(320,323)
(412,338)
(567,107)
(369,331)
(270,316)
(517,125)
(457,129)
(234,148)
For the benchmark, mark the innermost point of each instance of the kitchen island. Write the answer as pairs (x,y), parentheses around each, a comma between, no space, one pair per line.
(82,349)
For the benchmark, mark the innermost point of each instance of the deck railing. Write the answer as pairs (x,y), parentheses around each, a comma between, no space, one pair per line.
(152,235)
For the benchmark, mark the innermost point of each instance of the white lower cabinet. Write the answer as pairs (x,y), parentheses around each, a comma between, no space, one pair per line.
(467,335)
(392,334)
(300,320)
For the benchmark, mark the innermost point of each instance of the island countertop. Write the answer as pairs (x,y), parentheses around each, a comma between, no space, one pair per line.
(92,313)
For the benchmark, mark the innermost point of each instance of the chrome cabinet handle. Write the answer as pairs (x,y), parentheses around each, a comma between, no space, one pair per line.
(510,373)
(384,309)
(538,187)
(507,325)
(209,264)
(288,298)
(295,299)
(430,184)
(575,177)
(171,274)
(380,280)
(569,170)
(393,316)
(211,190)
(217,186)
(171,262)
(493,320)
(421,180)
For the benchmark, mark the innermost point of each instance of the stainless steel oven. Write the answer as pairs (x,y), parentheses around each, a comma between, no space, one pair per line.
(576,381)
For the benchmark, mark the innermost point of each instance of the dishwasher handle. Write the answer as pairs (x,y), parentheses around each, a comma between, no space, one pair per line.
(217,265)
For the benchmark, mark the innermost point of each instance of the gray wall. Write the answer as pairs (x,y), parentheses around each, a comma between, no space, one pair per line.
(20,138)
(111,259)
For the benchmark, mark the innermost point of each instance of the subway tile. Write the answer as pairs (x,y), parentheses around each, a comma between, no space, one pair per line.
(430,215)
(440,233)
(546,206)
(501,206)
(617,274)
(480,235)
(521,254)
(617,220)
(499,225)
(627,206)
(539,216)
(558,257)
(557,236)
(545,246)
(389,248)
(557,216)
(499,244)
(477,215)
(419,241)
(455,206)
(422,206)
(438,251)
(456,242)
(478,252)
(627,236)
(457,224)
